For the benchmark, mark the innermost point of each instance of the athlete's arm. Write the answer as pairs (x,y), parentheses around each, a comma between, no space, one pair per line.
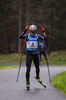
(40,37)
(23,34)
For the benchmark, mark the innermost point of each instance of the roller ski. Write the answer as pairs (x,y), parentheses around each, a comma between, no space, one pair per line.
(39,80)
(28,85)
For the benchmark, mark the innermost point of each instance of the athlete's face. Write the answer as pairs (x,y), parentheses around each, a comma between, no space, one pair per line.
(32,33)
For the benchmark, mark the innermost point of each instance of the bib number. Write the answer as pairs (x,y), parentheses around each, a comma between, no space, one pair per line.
(30,44)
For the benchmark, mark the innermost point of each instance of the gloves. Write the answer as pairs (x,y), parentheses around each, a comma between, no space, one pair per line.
(42,29)
(27,27)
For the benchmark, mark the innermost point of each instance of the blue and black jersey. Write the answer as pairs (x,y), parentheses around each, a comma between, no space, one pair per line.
(31,42)
(41,46)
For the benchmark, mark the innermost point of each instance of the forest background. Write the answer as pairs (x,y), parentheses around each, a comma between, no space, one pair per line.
(16,14)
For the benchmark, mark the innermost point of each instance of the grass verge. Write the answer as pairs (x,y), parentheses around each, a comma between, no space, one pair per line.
(54,58)
(14,58)
(59,82)
(4,67)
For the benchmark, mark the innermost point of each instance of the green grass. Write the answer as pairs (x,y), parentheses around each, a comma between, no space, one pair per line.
(4,67)
(56,58)
(14,58)
(59,82)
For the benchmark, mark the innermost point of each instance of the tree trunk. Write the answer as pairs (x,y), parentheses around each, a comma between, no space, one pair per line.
(19,27)
(27,12)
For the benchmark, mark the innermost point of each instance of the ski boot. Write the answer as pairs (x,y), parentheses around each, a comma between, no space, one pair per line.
(40,81)
(28,85)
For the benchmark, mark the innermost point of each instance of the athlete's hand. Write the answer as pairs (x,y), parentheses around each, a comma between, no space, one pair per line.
(42,29)
(27,27)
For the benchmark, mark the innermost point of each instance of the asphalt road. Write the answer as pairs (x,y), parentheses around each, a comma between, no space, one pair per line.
(12,90)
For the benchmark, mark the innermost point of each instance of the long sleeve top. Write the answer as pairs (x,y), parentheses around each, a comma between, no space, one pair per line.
(31,42)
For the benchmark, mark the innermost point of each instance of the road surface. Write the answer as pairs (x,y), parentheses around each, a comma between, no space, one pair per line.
(12,90)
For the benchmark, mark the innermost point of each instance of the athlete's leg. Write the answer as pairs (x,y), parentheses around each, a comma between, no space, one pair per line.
(40,55)
(36,62)
(28,66)
(44,53)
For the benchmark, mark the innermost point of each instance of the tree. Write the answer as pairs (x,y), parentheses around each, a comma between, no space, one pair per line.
(27,12)
(19,26)
(22,12)
(16,14)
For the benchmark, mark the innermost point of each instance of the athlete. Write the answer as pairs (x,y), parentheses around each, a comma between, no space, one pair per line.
(31,51)
(42,51)
(42,46)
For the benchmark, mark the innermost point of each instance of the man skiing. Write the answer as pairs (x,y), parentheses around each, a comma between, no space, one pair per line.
(31,51)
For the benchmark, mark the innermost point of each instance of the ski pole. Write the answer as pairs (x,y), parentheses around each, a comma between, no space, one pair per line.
(47,66)
(48,71)
(20,64)
(21,58)
(47,63)
(19,67)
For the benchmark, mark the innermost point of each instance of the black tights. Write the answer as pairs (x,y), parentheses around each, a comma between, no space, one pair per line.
(44,53)
(29,58)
